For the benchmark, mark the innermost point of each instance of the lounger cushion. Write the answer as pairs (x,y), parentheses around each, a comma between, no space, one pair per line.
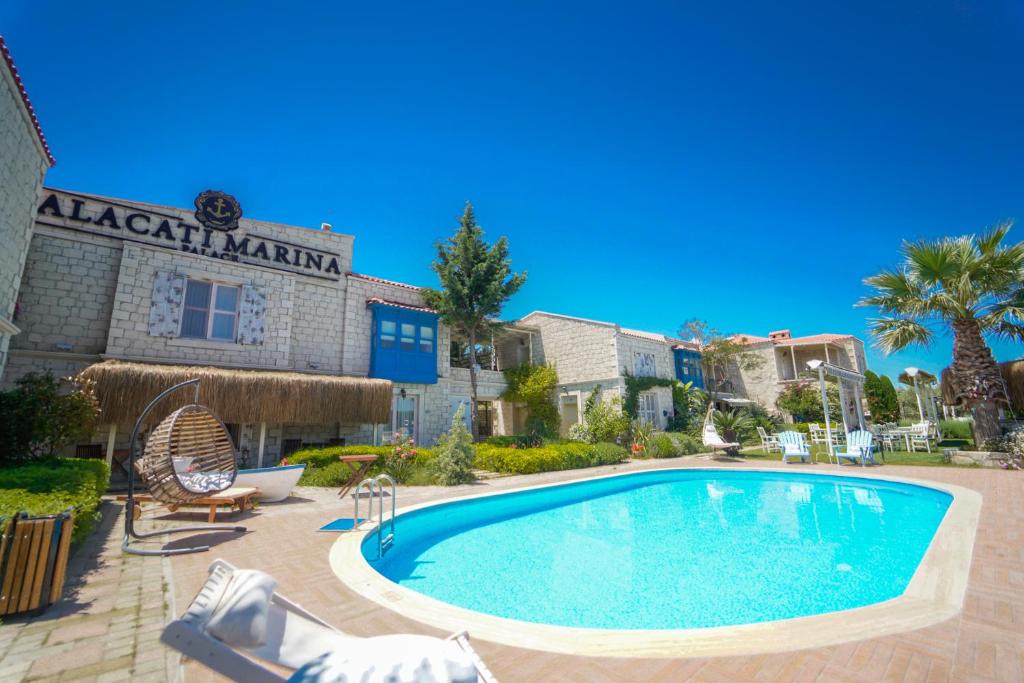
(391,659)
(240,617)
(793,449)
(205,482)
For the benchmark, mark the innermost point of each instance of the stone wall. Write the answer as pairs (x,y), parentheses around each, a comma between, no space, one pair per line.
(67,293)
(579,350)
(23,163)
(629,345)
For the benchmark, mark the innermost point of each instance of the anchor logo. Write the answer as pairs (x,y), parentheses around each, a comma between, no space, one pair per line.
(218,210)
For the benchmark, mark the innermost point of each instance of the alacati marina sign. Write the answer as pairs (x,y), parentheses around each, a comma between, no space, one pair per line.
(217,236)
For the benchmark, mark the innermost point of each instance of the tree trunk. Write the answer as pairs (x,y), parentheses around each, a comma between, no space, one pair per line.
(474,427)
(986,423)
(976,380)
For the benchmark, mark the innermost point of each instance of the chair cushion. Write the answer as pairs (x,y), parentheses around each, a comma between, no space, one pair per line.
(391,659)
(240,617)
(205,482)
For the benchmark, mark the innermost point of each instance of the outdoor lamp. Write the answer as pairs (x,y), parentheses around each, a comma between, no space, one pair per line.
(815,364)
(912,372)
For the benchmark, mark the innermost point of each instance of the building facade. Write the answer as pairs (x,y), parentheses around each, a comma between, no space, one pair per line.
(591,353)
(782,362)
(118,280)
(24,160)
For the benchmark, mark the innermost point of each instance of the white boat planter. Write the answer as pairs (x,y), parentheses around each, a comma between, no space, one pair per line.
(275,483)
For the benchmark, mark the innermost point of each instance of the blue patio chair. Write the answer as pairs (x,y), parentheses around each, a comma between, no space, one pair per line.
(858,448)
(794,446)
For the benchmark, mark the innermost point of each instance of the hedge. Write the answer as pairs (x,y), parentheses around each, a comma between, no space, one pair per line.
(548,458)
(48,487)
(324,469)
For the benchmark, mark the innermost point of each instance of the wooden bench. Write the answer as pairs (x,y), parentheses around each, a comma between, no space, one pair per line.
(240,497)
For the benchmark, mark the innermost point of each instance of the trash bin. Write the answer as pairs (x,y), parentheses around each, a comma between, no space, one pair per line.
(33,561)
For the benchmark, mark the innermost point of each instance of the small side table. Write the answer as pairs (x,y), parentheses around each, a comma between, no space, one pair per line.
(359,466)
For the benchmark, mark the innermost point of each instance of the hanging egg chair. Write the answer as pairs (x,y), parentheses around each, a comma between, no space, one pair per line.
(188,456)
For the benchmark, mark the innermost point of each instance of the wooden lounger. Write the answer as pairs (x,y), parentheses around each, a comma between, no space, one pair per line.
(237,496)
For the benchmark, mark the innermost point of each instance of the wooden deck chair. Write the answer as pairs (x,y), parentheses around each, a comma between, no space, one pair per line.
(711,438)
(794,446)
(858,448)
(769,442)
(238,620)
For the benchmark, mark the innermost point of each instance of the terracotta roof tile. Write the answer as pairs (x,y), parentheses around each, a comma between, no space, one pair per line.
(398,304)
(24,98)
(379,280)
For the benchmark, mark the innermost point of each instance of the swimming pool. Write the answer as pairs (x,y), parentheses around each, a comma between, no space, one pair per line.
(676,549)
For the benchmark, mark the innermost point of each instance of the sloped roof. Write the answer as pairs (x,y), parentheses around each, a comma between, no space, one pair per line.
(24,98)
(382,281)
(398,304)
(792,341)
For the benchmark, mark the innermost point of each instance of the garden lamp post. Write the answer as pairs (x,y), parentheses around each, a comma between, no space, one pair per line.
(817,365)
(912,372)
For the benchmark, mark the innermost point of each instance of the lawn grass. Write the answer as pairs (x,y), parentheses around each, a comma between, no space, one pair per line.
(920,458)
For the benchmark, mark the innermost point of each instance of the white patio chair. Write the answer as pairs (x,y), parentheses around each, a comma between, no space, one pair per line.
(239,611)
(794,446)
(817,433)
(858,448)
(918,436)
(769,442)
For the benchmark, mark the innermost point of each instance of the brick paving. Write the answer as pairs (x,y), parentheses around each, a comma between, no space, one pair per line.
(107,627)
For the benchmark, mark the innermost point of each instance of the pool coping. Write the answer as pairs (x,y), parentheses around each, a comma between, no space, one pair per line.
(934,594)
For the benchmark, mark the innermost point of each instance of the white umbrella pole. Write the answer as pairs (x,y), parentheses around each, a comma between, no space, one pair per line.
(824,404)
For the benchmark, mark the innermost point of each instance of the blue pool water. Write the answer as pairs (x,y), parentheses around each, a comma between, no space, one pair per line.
(669,549)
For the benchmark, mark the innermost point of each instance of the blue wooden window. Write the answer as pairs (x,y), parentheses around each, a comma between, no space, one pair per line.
(404,345)
(688,367)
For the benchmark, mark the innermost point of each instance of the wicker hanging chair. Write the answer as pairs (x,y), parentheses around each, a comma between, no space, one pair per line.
(188,456)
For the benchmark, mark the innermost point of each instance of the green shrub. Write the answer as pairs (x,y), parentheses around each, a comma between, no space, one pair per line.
(662,446)
(957,429)
(802,427)
(548,458)
(324,469)
(454,462)
(686,444)
(535,386)
(43,414)
(48,487)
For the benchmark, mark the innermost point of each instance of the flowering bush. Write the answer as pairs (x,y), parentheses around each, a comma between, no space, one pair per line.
(399,460)
(1013,445)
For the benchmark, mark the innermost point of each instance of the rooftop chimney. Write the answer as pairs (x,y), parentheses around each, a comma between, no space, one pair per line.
(326,227)
(779,335)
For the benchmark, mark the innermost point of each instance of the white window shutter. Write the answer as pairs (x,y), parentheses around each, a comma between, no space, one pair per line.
(166,304)
(251,315)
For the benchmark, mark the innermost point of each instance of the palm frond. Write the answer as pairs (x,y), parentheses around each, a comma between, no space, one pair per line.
(894,334)
(932,262)
(991,240)
(1004,329)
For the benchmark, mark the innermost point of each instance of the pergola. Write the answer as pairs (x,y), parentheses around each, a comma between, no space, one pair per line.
(844,377)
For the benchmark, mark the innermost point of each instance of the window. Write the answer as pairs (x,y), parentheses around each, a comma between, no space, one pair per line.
(387,334)
(485,418)
(404,344)
(211,311)
(647,408)
(403,417)
(644,365)
(408,337)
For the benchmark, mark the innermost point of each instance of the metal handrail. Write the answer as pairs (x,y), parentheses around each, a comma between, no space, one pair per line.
(368,483)
(384,542)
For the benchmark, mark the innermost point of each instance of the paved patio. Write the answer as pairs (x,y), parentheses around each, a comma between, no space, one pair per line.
(983,643)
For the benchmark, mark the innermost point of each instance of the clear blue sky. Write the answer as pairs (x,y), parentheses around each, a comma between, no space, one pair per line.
(649,162)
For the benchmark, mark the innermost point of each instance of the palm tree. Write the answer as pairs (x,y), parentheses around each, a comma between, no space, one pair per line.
(972,284)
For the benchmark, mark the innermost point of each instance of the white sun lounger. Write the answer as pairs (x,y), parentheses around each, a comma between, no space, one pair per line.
(238,613)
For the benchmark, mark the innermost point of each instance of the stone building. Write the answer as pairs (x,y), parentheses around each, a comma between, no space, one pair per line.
(783,361)
(118,280)
(24,160)
(589,353)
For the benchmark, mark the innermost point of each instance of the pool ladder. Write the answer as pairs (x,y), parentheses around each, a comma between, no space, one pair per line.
(375,486)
